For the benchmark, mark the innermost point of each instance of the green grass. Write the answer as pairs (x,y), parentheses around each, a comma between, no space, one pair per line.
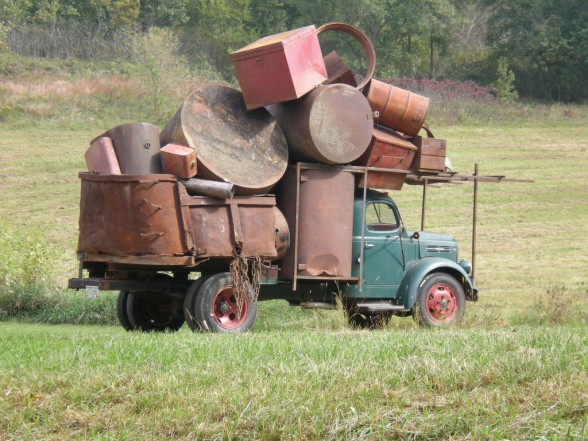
(515,369)
(99,382)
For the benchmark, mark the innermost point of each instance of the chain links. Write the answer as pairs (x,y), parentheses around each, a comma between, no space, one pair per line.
(245,288)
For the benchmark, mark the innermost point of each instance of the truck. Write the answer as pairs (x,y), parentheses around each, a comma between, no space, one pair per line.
(161,248)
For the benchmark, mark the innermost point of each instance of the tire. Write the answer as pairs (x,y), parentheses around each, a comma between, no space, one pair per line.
(216,309)
(189,302)
(368,320)
(155,312)
(440,301)
(121,311)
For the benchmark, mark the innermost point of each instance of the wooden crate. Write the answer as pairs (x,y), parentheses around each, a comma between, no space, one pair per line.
(430,155)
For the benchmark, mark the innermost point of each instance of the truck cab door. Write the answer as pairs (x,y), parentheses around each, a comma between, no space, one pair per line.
(384,264)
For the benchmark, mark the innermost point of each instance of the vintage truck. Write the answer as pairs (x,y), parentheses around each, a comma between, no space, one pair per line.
(337,244)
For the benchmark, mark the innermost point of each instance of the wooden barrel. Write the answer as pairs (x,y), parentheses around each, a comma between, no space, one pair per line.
(399,109)
(245,148)
(332,124)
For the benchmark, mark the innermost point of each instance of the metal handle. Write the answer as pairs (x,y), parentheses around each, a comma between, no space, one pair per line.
(368,245)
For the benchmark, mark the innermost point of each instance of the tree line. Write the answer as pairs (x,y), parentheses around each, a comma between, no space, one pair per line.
(540,46)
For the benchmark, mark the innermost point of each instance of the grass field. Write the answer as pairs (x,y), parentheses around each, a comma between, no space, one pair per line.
(515,369)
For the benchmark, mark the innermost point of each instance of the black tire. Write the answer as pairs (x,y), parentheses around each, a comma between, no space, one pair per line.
(215,307)
(121,311)
(189,302)
(368,320)
(440,301)
(155,312)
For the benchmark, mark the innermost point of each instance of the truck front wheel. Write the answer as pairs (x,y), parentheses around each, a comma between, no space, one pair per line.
(217,308)
(440,301)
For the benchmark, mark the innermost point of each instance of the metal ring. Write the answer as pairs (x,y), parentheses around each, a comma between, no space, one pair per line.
(363,40)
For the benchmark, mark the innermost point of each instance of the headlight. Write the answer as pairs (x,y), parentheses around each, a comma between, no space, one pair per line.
(466,265)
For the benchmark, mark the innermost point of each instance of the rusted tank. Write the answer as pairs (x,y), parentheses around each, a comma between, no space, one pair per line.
(101,157)
(153,215)
(137,148)
(232,144)
(332,124)
(338,71)
(325,220)
(279,67)
(398,109)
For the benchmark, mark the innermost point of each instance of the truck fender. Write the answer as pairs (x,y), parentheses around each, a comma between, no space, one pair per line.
(410,283)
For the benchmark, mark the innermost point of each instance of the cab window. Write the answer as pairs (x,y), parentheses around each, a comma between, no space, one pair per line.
(380,217)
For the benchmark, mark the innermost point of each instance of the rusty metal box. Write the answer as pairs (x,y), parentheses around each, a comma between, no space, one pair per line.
(279,67)
(130,215)
(179,161)
(101,157)
(221,227)
(387,149)
(430,155)
(152,216)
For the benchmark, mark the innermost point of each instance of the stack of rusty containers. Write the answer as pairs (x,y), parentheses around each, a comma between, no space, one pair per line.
(227,149)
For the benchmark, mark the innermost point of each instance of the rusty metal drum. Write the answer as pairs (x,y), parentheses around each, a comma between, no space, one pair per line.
(332,124)
(325,221)
(246,148)
(137,148)
(398,108)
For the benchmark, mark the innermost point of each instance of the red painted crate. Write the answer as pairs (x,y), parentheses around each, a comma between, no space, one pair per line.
(279,67)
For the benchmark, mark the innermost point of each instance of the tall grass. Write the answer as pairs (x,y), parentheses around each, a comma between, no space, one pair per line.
(29,286)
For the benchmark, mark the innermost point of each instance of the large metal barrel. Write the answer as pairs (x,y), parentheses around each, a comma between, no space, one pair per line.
(246,148)
(399,109)
(325,221)
(332,124)
(137,148)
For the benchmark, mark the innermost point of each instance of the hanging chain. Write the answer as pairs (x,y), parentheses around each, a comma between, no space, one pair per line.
(245,288)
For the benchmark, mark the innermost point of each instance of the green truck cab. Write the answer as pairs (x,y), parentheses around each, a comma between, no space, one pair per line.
(404,271)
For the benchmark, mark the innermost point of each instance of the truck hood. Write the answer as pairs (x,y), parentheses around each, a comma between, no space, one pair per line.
(437,245)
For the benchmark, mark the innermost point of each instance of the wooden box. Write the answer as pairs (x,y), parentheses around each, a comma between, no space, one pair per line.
(179,161)
(430,155)
(387,149)
(279,67)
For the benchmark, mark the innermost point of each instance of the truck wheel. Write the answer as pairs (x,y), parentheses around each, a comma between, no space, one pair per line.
(440,301)
(216,308)
(369,320)
(155,313)
(189,302)
(121,311)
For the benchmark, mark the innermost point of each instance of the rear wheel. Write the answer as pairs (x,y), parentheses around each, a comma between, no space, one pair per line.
(440,301)
(121,311)
(154,312)
(189,302)
(217,309)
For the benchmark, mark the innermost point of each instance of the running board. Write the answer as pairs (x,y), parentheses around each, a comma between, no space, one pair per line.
(379,307)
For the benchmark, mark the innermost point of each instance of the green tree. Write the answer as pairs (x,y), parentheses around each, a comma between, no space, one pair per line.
(546,43)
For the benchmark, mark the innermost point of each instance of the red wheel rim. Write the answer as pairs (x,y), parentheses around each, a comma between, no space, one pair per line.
(225,309)
(441,303)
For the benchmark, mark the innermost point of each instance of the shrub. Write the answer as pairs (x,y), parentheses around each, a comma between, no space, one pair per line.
(504,84)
